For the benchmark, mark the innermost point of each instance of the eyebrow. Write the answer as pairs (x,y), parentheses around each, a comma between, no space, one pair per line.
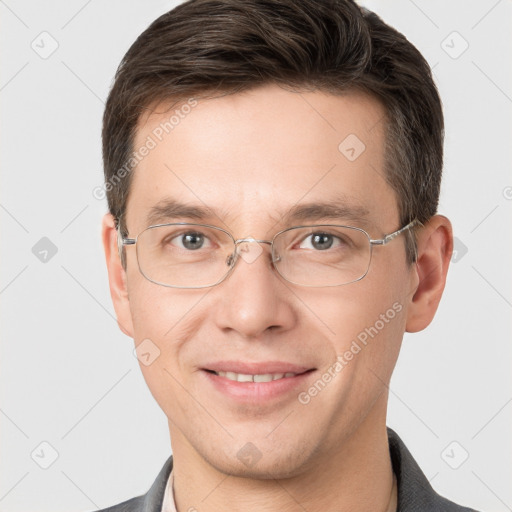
(333,209)
(171,209)
(336,209)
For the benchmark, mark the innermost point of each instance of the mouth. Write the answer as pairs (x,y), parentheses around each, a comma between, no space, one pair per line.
(260,377)
(257,382)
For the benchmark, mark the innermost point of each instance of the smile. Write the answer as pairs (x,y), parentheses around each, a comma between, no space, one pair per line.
(245,377)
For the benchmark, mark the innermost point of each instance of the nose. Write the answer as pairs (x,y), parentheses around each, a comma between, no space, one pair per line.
(253,299)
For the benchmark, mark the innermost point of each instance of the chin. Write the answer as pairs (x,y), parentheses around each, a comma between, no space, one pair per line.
(267,464)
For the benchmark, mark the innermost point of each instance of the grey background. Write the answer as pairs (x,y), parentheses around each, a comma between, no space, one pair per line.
(68,375)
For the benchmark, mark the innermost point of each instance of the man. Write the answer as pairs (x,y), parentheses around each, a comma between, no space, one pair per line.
(273,171)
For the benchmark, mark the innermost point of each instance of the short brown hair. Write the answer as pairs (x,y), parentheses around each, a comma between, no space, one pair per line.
(204,48)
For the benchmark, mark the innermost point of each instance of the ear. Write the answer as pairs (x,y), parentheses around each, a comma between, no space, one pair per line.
(435,246)
(116,275)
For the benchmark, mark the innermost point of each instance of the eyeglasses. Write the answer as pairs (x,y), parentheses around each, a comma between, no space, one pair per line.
(184,255)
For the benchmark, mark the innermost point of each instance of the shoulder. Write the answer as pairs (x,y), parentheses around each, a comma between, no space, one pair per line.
(152,500)
(131,505)
(414,490)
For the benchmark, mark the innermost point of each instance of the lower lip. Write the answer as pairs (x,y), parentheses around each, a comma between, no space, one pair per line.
(257,391)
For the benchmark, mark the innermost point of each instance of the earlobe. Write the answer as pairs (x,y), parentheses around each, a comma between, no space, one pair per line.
(116,275)
(435,245)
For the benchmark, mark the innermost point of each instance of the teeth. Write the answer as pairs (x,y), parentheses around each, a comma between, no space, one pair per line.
(244,377)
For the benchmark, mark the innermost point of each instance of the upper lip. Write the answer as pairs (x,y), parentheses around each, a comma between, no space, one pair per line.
(256,368)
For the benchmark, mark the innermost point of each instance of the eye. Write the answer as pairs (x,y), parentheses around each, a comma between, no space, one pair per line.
(191,240)
(322,241)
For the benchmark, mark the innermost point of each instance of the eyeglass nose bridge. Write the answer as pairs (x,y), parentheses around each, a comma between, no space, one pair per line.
(233,258)
(241,240)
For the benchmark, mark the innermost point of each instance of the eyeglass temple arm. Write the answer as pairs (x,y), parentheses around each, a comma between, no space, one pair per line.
(121,242)
(391,236)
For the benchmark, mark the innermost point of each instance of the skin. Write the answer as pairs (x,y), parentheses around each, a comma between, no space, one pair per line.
(249,157)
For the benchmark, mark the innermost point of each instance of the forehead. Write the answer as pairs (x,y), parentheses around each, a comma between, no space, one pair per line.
(258,153)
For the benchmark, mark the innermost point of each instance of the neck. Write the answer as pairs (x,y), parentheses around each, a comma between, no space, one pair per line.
(355,477)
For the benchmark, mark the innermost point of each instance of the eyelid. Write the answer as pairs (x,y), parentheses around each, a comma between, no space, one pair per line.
(323,232)
(194,229)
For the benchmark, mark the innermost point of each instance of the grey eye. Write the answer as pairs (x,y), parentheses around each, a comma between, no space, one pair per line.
(189,240)
(320,241)
(192,240)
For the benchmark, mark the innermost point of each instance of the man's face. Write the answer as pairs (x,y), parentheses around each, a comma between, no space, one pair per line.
(249,158)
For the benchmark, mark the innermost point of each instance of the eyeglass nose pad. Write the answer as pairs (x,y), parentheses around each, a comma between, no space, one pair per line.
(231,259)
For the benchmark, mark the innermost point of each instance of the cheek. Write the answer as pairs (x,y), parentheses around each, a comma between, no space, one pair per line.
(382,315)
(156,310)
(152,317)
(366,319)
(163,320)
